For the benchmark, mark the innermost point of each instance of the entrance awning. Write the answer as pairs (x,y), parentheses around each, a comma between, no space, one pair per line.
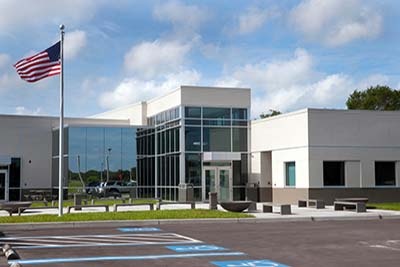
(5,160)
(221,156)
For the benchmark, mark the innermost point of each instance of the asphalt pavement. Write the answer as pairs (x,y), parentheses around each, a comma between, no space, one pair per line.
(320,243)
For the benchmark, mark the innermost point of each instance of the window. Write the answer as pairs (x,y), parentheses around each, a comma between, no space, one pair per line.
(385,173)
(217,113)
(290,168)
(193,122)
(239,139)
(239,114)
(217,139)
(192,138)
(333,173)
(192,112)
(193,169)
(217,122)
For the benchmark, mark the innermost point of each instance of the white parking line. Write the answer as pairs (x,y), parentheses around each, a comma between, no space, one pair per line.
(96,240)
(118,258)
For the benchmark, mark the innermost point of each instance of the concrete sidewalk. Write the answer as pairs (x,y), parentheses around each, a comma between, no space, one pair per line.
(296,211)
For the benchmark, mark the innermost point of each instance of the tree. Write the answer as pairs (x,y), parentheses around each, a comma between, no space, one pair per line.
(375,98)
(271,113)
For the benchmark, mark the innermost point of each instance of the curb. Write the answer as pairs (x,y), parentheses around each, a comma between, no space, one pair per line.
(118,223)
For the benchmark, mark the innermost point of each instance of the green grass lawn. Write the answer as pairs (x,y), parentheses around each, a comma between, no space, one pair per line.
(384,206)
(109,202)
(126,215)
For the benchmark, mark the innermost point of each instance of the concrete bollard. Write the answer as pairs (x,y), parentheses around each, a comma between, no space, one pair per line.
(213,200)
(78,200)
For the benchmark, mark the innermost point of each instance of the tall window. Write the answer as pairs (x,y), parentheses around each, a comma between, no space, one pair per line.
(385,173)
(290,173)
(193,138)
(334,173)
(216,139)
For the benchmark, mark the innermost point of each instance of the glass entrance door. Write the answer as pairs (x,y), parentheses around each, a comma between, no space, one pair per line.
(3,185)
(209,183)
(217,179)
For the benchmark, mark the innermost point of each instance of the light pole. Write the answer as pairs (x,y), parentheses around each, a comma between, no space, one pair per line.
(108,164)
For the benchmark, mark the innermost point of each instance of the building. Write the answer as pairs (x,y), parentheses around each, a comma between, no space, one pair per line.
(326,154)
(29,152)
(202,138)
(193,135)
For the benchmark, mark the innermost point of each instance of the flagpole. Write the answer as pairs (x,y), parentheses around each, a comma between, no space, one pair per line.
(61,128)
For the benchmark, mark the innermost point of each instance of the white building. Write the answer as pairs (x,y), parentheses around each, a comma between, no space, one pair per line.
(326,154)
(202,136)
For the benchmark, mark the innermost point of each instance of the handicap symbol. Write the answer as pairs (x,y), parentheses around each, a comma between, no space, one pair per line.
(195,248)
(248,263)
(201,248)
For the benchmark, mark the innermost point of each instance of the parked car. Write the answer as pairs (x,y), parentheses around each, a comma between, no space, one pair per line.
(91,187)
(115,188)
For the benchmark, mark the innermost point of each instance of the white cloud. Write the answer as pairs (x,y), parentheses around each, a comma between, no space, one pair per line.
(132,90)
(20,110)
(152,59)
(280,74)
(74,42)
(295,83)
(16,15)
(336,22)
(9,81)
(253,19)
(185,18)
(373,80)
(4,60)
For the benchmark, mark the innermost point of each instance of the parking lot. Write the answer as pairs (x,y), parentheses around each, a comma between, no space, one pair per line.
(340,243)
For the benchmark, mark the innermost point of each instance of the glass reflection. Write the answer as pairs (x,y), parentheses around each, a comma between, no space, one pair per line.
(97,153)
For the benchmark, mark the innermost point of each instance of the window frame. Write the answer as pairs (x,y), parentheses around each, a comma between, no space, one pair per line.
(286,165)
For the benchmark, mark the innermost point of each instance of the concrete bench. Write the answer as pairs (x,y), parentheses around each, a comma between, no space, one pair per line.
(317,203)
(115,206)
(21,210)
(285,209)
(353,199)
(358,206)
(86,206)
(192,204)
(13,206)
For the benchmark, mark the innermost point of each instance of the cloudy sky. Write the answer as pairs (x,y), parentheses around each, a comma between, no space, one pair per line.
(293,54)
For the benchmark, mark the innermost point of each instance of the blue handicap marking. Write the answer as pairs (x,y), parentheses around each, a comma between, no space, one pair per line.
(139,229)
(248,263)
(195,248)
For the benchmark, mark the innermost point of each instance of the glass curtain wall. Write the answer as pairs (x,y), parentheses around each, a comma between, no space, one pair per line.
(212,129)
(159,154)
(98,154)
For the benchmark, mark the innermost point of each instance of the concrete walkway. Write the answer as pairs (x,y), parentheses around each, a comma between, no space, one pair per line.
(297,213)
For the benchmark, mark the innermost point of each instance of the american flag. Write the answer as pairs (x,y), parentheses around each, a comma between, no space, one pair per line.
(41,65)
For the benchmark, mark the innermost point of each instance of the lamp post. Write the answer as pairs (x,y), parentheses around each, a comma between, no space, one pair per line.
(108,164)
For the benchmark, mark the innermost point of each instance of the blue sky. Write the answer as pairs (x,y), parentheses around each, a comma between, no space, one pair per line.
(293,54)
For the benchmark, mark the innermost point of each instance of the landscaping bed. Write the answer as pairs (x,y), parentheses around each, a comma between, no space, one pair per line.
(384,206)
